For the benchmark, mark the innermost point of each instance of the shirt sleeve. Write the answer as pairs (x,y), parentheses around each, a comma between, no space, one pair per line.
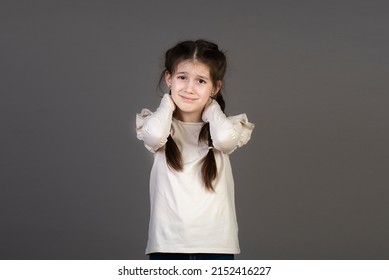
(154,128)
(227,133)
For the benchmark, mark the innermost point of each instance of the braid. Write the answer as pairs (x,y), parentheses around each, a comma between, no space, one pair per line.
(219,98)
(209,167)
(173,155)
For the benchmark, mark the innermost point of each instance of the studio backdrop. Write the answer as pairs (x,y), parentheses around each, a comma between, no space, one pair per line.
(312,75)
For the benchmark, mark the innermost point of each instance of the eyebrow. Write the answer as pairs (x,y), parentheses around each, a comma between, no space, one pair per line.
(202,77)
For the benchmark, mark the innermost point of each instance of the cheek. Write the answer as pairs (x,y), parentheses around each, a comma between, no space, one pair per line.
(204,101)
(205,95)
(174,96)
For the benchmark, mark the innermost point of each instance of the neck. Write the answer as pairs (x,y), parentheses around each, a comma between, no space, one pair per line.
(187,117)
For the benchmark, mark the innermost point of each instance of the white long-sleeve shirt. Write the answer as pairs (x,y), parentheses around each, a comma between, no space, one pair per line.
(185,217)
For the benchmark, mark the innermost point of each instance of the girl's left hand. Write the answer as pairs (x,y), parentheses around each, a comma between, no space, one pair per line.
(209,102)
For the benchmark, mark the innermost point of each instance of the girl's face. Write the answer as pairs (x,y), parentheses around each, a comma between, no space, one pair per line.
(191,88)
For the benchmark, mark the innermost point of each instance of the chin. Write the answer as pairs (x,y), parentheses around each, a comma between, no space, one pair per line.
(185,109)
(185,106)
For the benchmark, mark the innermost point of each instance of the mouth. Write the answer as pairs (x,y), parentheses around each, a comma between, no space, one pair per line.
(187,99)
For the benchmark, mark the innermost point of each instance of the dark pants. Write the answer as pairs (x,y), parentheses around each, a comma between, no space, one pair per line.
(179,256)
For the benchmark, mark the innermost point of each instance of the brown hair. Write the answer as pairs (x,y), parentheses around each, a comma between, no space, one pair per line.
(209,54)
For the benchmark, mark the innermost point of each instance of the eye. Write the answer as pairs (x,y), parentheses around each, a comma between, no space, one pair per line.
(181,77)
(201,81)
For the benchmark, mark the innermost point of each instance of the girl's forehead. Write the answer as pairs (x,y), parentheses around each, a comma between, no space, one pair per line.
(193,66)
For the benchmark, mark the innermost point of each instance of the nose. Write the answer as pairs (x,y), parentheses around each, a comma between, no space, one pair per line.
(190,86)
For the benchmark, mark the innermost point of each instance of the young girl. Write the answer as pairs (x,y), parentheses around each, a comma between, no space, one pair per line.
(191,184)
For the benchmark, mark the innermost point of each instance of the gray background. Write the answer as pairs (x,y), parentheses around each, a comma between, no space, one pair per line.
(312,75)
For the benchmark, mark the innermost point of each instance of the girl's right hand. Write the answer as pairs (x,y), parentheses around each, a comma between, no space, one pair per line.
(167,102)
(171,101)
